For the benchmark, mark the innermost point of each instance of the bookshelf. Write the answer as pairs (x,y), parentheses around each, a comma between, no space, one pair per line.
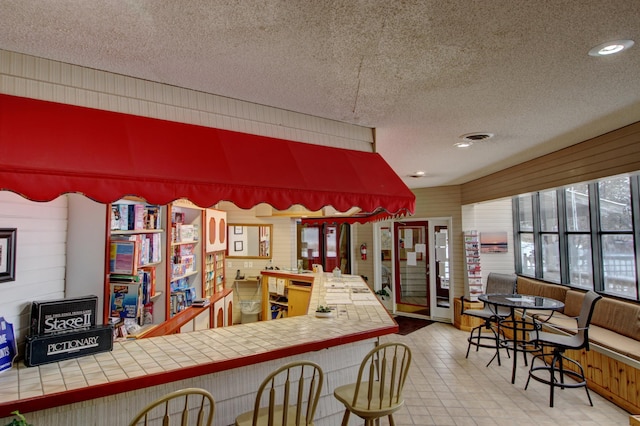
(215,247)
(164,248)
(214,277)
(184,263)
(135,245)
(473,271)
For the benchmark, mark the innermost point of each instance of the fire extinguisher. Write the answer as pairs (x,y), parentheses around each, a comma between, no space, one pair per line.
(363,251)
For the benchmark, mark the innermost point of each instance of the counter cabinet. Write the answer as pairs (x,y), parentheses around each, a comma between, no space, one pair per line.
(285,294)
(230,362)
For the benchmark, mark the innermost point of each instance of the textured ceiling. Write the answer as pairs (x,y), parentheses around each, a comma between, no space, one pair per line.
(421,72)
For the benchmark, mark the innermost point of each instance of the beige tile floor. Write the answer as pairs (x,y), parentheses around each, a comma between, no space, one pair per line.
(444,388)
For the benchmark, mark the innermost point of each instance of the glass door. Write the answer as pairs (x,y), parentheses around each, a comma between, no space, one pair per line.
(412,267)
(326,245)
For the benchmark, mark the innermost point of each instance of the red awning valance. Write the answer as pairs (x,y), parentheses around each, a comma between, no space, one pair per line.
(48,149)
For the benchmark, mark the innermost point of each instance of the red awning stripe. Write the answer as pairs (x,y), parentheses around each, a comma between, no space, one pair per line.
(48,149)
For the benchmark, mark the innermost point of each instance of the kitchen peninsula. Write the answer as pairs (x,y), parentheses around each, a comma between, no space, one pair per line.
(230,362)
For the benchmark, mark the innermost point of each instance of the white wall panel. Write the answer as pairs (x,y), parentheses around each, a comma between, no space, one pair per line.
(28,76)
(492,216)
(40,255)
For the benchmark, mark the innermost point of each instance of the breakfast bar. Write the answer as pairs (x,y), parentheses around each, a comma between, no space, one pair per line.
(105,388)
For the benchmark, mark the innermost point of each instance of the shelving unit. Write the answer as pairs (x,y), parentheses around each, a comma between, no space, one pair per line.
(135,246)
(164,264)
(214,277)
(474,274)
(184,266)
(215,247)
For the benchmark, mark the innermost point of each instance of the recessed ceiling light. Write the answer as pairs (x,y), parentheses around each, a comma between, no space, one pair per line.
(611,47)
(417,174)
(465,144)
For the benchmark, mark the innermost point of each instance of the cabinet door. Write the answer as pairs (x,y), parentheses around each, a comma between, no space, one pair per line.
(201,322)
(298,300)
(218,313)
(228,307)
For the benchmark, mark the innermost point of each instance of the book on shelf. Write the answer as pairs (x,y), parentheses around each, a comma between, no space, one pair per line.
(149,276)
(123,257)
(201,302)
(148,247)
(126,300)
(134,217)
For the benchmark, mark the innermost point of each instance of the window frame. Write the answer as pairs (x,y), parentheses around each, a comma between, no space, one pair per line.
(595,233)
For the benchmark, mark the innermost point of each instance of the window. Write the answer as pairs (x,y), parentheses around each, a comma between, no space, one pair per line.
(578,226)
(616,237)
(548,203)
(582,235)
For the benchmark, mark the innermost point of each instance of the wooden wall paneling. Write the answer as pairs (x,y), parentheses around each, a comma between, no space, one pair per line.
(612,153)
(445,202)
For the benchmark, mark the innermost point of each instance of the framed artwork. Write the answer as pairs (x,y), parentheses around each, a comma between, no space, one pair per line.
(237,246)
(8,254)
(237,230)
(493,242)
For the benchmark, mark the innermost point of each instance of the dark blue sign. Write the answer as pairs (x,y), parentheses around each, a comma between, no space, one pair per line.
(8,348)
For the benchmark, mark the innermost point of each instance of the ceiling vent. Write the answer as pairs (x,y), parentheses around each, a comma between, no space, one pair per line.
(476,137)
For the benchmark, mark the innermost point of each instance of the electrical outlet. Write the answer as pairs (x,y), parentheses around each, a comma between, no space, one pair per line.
(246,264)
(250,264)
(229,265)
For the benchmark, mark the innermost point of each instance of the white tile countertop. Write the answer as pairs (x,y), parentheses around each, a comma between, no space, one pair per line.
(164,359)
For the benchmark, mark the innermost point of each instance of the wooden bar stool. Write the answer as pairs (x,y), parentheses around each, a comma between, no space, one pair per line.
(378,389)
(201,400)
(293,392)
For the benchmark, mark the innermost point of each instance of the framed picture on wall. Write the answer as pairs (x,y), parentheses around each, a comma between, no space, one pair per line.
(493,242)
(237,246)
(8,254)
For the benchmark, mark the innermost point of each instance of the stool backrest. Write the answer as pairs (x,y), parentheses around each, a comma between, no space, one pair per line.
(584,319)
(171,406)
(382,375)
(293,392)
(501,283)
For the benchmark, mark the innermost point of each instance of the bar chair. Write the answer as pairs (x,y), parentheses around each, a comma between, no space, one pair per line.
(201,400)
(491,315)
(378,389)
(559,343)
(293,392)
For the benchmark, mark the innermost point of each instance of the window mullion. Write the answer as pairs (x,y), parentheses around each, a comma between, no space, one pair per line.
(634,182)
(515,206)
(596,243)
(562,237)
(537,236)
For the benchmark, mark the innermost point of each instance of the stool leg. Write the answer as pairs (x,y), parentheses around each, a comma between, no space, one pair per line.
(345,418)
(553,377)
